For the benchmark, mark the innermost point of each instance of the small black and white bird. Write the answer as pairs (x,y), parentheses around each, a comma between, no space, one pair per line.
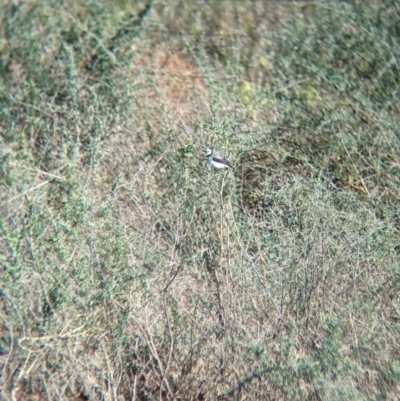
(215,159)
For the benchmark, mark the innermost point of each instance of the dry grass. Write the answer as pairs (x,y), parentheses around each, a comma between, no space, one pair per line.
(130,270)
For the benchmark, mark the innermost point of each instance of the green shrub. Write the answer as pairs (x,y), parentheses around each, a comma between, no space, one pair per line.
(131,270)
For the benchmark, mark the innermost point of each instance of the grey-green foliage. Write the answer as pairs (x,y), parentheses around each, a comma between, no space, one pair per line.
(153,272)
(337,82)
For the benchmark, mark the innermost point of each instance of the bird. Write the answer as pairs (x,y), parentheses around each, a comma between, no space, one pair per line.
(215,159)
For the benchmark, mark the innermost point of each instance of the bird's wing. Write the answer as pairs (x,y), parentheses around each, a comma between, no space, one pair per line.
(218,160)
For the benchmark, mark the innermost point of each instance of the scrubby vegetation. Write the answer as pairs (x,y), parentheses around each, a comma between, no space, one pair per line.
(129,270)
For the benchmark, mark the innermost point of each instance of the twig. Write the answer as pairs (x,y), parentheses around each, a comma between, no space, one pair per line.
(25,192)
(41,172)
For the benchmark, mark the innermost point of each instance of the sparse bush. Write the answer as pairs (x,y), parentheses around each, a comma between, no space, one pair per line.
(130,270)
